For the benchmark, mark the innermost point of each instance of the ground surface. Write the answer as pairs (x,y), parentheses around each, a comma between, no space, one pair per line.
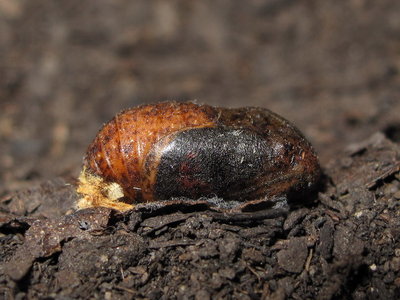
(332,68)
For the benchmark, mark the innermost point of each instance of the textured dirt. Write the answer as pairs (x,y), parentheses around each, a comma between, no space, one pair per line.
(332,68)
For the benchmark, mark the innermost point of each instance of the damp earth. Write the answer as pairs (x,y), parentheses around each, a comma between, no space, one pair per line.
(331,68)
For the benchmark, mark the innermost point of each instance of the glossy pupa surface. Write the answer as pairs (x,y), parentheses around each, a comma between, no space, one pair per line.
(169,150)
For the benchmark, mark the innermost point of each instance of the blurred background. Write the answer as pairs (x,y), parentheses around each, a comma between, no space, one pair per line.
(66,67)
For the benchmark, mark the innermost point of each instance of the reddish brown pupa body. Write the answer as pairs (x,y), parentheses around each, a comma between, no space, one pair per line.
(168,150)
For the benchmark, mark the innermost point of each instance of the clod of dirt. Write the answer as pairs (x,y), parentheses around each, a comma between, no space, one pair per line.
(293,258)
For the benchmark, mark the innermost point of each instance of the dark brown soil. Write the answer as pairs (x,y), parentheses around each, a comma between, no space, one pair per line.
(331,67)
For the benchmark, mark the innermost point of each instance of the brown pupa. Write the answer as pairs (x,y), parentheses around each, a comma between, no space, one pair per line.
(168,150)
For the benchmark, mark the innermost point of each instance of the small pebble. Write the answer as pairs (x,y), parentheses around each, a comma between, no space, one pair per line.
(397,195)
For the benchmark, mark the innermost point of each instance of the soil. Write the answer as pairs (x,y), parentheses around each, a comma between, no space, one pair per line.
(330,67)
